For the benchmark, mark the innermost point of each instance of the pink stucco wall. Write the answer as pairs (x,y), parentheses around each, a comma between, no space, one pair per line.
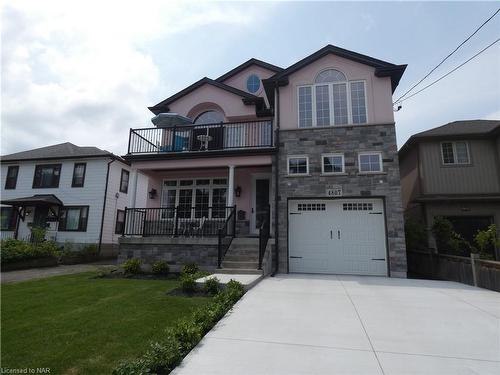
(242,178)
(378,90)
(210,97)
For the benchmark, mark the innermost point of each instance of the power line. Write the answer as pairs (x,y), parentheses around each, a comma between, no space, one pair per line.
(447,74)
(446,58)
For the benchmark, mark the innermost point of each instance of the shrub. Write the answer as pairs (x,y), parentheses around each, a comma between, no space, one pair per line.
(190,268)
(188,283)
(38,234)
(12,250)
(160,267)
(447,240)
(415,235)
(163,356)
(486,241)
(132,266)
(90,249)
(212,286)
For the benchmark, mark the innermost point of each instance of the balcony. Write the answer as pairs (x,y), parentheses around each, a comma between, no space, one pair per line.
(201,138)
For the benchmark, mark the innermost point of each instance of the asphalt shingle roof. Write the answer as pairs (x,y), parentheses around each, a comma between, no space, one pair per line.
(461,128)
(62,150)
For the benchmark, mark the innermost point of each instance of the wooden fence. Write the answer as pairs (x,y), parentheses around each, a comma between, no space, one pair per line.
(486,273)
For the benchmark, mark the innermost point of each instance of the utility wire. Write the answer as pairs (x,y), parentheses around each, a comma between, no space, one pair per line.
(447,74)
(446,58)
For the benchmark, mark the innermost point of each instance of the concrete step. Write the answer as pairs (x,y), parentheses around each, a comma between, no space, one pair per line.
(242,271)
(244,265)
(235,257)
(245,241)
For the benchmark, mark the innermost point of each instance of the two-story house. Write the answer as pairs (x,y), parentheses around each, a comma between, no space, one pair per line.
(453,171)
(310,149)
(78,194)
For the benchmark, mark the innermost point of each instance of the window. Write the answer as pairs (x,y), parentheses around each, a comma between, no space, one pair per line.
(47,176)
(333,163)
(197,198)
(455,152)
(305,107)
(209,117)
(334,101)
(73,219)
(8,218)
(124,181)
(11,180)
(311,206)
(120,221)
(370,162)
(298,165)
(79,174)
(253,83)
(357,206)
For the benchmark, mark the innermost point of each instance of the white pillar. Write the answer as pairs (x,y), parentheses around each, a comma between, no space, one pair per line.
(230,187)
(133,190)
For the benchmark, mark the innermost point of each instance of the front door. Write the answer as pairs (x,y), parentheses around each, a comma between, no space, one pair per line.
(260,202)
(40,217)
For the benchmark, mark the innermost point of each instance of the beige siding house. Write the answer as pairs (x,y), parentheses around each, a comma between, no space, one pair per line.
(453,171)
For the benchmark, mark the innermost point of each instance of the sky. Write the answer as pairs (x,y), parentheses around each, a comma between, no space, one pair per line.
(86,71)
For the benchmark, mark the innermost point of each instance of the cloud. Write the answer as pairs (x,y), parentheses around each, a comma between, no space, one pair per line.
(79,72)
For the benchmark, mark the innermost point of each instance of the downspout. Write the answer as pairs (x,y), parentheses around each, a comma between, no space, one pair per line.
(104,204)
(276,180)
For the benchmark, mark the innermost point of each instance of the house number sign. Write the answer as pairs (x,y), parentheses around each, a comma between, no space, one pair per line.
(333,190)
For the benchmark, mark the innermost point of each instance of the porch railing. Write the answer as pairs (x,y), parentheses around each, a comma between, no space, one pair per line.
(184,221)
(226,235)
(264,234)
(206,137)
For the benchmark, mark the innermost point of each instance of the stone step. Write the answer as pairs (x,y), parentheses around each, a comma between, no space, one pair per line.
(241,264)
(245,241)
(243,271)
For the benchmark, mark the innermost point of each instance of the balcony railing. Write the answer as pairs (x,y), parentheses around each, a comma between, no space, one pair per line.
(206,137)
(181,221)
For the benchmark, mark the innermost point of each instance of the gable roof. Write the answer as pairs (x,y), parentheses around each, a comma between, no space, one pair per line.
(163,105)
(60,151)
(455,130)
(382,68)
(245,65)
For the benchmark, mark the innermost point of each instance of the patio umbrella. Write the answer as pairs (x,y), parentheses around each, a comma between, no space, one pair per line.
(163,120)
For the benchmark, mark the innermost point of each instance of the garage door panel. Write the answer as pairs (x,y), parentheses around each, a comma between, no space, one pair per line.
(337,236)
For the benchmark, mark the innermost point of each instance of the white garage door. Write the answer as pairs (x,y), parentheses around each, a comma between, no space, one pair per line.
(345,236)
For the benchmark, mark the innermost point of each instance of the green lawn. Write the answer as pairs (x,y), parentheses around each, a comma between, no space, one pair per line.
(81,325)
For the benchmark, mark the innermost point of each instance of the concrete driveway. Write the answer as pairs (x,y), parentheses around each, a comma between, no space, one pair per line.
(309,324)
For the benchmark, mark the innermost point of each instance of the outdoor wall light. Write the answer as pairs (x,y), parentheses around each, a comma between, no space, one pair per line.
(237,191)
(152,194)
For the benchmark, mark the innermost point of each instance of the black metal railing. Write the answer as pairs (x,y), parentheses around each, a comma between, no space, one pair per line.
(264,234)
(226,234)
(184,221)
(206,137)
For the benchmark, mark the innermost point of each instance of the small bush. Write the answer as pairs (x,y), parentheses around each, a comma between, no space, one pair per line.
(447,240)
(160,267)
(90,249)
(486,241)
(188,283)
(212,286)
(12,250)
(132,266)
(38,234)
(163,356)
(190,268)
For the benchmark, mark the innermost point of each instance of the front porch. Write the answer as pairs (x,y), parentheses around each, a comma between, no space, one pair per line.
(190,213)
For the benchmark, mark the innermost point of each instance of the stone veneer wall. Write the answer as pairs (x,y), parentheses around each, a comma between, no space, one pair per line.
(175,251)
(349,140)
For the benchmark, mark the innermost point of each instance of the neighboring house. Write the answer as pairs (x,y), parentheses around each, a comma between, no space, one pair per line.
(315,141)
(77,193)
(453,171)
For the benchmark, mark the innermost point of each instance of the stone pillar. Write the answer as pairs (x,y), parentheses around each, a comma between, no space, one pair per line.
(230,187)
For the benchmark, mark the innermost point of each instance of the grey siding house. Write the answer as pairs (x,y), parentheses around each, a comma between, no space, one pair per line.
(453,171)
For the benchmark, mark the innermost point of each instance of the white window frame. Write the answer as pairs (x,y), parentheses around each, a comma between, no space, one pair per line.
(297,157)
(370,153)
(454,148)
(323,156)
(330,98)
(193,188)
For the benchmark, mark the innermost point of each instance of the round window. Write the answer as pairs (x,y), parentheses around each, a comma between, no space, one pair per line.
(253,83)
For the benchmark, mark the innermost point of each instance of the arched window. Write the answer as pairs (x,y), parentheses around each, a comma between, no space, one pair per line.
(332,100)
(330,75)
(209,117)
